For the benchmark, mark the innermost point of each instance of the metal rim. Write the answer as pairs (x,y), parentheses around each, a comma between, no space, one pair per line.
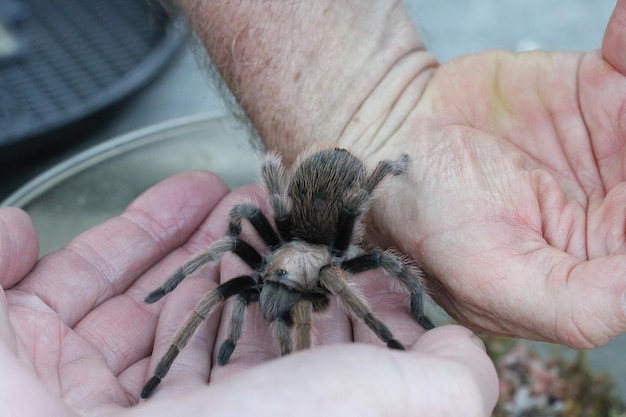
(104,151)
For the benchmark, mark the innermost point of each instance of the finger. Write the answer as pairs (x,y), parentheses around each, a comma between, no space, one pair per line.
(356,380)
(543,294)
(19,250)
(614,40)
(389,305)
(258,343)
(559,298)
(123,327)
(18,245)
(460,344)
(105,260)
(7,335)
(591,308)
(606,223)
(193,363)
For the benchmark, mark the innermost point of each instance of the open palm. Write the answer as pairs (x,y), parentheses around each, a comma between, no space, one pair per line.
(79,322)
(76,337)
(520,192)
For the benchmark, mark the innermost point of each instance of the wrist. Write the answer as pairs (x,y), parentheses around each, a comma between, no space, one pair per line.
(316,71)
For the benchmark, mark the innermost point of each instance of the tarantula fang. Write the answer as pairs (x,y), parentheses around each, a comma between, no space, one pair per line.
(317,210)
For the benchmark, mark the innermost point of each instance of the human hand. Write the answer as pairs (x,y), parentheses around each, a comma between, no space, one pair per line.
(519,179)
(515,198)
(76,337)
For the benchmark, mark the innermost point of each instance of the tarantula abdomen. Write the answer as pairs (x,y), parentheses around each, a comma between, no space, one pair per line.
(317,207)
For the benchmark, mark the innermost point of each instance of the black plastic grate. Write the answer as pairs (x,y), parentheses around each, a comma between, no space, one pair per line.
(77,57)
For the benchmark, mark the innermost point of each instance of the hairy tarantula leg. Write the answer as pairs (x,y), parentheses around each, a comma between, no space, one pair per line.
(332,278)
(384,168)
(301,315)
(357,203)
(236,324)
(203,309)
(258,221)
(215,252)
(395,266)
(282,331)
(275,180)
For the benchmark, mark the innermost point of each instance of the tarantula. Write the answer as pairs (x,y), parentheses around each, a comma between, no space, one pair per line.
(317,209)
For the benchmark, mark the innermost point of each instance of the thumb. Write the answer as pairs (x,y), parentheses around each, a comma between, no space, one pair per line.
(19,246)
(446,373)
(19,249)
(614,42)
(459,345)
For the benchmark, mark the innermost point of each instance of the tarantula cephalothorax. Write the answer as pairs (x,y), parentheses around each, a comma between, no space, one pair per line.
(317,208)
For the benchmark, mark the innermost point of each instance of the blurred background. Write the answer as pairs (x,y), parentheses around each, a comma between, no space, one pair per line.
(76,73)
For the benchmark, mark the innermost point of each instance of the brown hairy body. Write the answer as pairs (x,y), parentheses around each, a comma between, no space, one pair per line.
(313,248)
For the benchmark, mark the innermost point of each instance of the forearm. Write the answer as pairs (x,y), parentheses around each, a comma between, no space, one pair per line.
(343,71)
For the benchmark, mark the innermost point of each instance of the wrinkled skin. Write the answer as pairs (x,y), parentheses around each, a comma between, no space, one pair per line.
(517,206)
(76,337)
(521,204)
(515,199)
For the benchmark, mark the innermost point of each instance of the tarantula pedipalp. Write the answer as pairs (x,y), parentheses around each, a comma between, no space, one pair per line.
(317,207)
